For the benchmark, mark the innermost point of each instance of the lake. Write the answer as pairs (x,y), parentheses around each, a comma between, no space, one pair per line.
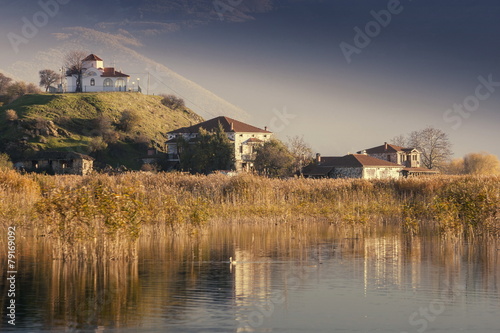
(287,278)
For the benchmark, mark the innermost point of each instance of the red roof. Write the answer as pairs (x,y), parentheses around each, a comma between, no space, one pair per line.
(387,148)
(92,57)
(356,160)
(228,124)
(111,72)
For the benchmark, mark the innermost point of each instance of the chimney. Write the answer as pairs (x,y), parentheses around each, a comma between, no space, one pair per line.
(363,152)
(232,126)
(265,128)
(385,143)
(318,158)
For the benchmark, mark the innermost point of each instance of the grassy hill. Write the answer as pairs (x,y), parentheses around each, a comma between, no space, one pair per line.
(115,128)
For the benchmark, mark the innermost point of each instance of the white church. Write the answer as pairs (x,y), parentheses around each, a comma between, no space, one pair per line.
(96,77)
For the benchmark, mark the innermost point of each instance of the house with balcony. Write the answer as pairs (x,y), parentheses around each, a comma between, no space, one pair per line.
(96,78)
(409,158)
(245,138)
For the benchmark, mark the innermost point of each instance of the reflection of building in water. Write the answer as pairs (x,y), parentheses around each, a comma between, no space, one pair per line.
(252,290)
(387,260)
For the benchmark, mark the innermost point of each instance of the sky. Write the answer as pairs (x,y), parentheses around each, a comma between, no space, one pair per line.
(346,75)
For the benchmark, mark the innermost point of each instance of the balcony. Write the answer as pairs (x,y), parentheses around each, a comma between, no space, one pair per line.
(248,157)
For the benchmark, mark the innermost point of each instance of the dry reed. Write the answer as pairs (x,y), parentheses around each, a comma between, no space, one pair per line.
(102,216)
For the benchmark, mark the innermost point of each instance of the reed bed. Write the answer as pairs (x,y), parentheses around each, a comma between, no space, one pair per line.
(102,216)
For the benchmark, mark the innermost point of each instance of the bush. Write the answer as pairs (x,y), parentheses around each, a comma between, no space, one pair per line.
(129,120)
(5,163)
(172,101)
(11,115)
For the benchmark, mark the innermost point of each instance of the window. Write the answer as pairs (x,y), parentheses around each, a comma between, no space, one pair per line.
(92,82)
(389,158)
(108,83)
(120,83)
(241,149)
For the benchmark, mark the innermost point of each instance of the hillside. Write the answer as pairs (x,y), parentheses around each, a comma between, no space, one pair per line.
(115,128)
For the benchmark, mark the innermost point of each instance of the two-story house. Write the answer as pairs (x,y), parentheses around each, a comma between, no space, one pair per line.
(244,136)
(408,157)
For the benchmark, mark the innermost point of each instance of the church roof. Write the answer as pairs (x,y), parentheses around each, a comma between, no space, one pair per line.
(92,57)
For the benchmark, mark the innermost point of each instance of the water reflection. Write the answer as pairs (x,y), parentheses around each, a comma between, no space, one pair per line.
(287,278)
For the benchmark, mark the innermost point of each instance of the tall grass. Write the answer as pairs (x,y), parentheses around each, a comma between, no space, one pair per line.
(102,216)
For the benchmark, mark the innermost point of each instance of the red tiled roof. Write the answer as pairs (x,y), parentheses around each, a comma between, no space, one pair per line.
(228,124)
(92,57)
(111,72)
(356,160)
(390,149)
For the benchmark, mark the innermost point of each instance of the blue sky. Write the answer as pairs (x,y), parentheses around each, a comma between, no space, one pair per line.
(281,61)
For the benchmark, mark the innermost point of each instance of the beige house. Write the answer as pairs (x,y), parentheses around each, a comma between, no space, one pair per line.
(352,166)
(408,157)
(244,136)
(55,162)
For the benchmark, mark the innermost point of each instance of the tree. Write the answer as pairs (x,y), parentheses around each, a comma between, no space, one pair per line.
(274,159)
(172,101)
(47,78)
(210,151)
(301,152)
(433,143)
(455,167)
(399,140)
(18,89)
(129,120)
(481,164)
(74,67)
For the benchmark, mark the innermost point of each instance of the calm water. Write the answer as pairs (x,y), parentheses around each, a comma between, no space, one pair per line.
(286,279)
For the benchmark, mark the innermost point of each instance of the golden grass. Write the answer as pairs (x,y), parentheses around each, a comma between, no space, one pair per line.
(102,216)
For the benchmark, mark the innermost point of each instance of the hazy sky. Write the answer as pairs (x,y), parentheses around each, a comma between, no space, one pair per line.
(303,68)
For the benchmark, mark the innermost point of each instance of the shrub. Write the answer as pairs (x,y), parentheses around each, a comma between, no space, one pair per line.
(5,163)
(11,115)
(172,101)
(129,120)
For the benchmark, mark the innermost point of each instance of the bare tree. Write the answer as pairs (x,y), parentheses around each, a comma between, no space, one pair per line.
(434,145)
(301,151)
(74,66)
(399,140)
(48,77)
